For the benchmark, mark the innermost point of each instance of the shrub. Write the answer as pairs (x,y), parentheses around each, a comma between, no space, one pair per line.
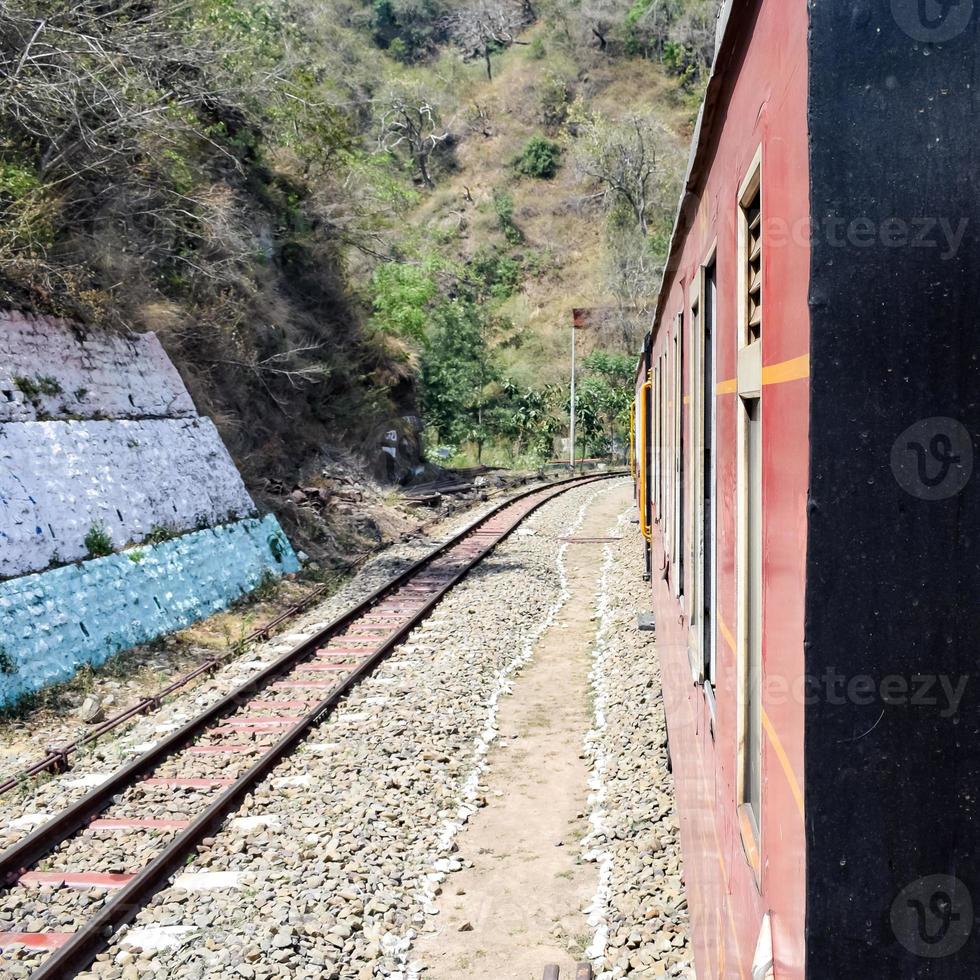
(7,663)
(17,181)
(41,384)
(98,541)
(540,158)
(267,587)
(500,275)
(400,294)
(503,204)
(160,533)
(555,96)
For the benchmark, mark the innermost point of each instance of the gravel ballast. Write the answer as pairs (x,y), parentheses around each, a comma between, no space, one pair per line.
(639,914)
(43,795)
(332,866)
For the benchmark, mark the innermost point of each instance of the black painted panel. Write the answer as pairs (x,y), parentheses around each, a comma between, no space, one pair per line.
(894,550)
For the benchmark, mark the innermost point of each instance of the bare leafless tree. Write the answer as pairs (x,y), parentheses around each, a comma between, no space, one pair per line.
(485,26)
(496,27)
(631,270)
(409,122)
(695,32)
(601,17)
(616,24)
(625,161)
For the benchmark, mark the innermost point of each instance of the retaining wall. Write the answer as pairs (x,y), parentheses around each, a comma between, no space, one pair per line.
(58,479)
(52,622)
(51,368)
(98,430)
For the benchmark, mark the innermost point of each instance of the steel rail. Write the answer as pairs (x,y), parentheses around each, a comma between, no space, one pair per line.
(79,951)
(36,845)
(56,759)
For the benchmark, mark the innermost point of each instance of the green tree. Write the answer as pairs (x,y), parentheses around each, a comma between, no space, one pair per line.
(407,28)
(528,419)
(503,205)
(603,401)
(456,373)
(401,294)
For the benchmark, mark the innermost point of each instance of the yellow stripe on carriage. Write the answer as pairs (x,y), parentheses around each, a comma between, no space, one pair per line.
(777,745)
(792,370)
(775,374)
(771,734)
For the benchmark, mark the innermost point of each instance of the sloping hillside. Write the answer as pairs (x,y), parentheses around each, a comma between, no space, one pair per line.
(319,209)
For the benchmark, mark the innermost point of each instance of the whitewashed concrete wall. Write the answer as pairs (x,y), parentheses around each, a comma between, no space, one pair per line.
(58,479)
(87,374)
(52,622)
(97,429)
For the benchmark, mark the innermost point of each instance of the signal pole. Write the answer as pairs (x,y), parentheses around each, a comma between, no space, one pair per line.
(580,319)
(571,414)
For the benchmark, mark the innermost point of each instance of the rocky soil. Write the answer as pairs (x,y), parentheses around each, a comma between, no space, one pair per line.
(339,514)
(639,913)
(68,711)
(333,866)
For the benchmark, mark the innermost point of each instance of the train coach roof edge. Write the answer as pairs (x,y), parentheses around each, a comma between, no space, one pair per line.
(734,18)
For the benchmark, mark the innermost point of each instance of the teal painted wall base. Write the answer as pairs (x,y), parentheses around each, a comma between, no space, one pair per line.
(53,622)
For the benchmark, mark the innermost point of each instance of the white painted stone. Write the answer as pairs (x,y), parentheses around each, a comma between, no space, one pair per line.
(99,429)
(97,373)
(322,748)
(53,621)
(284,782)
(28,820)
(204,881)
(157,938)
(82,782)
(58,479)
(255,823)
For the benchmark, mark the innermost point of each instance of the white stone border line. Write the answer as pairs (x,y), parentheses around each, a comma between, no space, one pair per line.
(398,946)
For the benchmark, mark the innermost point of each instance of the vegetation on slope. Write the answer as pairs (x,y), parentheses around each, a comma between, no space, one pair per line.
(336,213)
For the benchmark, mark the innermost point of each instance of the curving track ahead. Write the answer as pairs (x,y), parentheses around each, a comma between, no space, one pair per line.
(275,710)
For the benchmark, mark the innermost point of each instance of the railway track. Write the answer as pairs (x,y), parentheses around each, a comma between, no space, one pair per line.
(57,759)
(167,801)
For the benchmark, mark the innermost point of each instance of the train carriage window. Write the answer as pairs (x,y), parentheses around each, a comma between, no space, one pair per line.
(661,416)
(750,503)
(660,422)
(649,440)
(706,537)
(660,436)
(665,467)
(678,467)
(655,440)
(753,226)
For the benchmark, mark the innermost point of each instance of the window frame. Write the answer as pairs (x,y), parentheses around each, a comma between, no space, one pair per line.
(677,501)
(749,632)
(701,400)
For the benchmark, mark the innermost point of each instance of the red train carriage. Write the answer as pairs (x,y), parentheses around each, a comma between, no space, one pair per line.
(806,407)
